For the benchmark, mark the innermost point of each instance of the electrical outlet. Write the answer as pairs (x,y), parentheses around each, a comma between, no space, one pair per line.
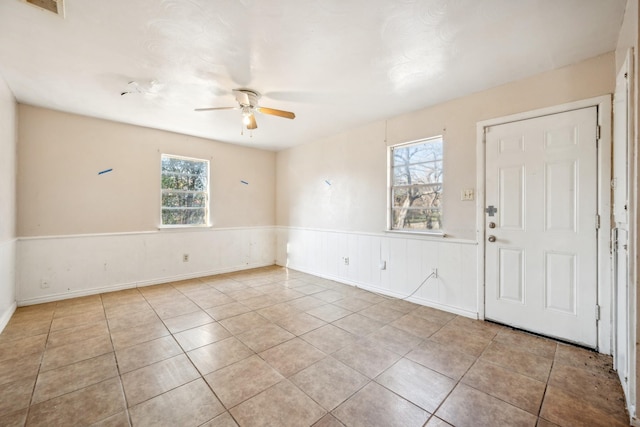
(346,260)
(44,284)
(434,271)
(185,258)
(383,265)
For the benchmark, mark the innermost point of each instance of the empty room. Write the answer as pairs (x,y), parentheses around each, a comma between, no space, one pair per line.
(319,213)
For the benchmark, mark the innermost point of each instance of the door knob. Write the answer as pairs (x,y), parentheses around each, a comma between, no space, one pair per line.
(492,239)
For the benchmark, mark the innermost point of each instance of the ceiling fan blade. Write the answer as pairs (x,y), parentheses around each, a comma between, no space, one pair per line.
(252,122)
(274,112)
(216,108)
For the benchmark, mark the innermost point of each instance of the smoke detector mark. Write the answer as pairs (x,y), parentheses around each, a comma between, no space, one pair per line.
(55,6)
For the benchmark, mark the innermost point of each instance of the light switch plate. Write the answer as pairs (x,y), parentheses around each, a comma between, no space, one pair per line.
(466,194)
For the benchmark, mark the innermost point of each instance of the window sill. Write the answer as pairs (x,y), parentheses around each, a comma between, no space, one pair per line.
(440,234)
(184,227)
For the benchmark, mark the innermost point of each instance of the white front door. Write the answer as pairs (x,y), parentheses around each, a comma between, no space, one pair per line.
(541,262)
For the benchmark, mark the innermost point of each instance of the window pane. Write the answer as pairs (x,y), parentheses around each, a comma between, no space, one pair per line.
(185,191)
(416,185)
(417,219)
(173,200)
(183,216)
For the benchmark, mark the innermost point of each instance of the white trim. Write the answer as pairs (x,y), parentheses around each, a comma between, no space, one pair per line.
(138,284)
(395,234)
(604,202)
(6,316)
(136,233)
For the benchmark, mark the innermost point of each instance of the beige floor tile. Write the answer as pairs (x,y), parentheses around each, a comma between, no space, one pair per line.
(400,305)
(225,311)
(329,338)
(227,285)
(22,347)
(201,335)
(21,368)
(418,326)
(14,419)
(433,314)
(353,303)
(282,405)
(138,334)
(466,406)
(15,396)
(57,382)
(300,323)
(306,303)
(602,392)
(394,339)
(242,380)
(375,406)
(18,330)
(259,302)
(150,381)
(358,324)
(265,337)
(435,356)
(211,298)
(584,359)
(464,340)
(562,408)
(222,420)
(127,321)
(78,319)
(219,354)
(244,322)
(292,356)
(381,313)
(329,382)
(125,296)
(77,334)
(518,360)
(309,289)
(68,354)
(137,306)
(82,407)
(328,421)
(367,358)
(516,389)
(174,308)
(278,311)
(244,294)
(437,422)
(419,385)
(146,353)
(284,295)
(121,419)
(191,404)
(329,312)
(187,321)
(542,347)
(329,295)
(94,306)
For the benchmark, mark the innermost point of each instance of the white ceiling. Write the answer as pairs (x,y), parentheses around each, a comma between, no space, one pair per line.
(337,64)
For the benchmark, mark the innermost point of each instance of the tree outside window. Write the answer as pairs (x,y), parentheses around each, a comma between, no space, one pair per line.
(185,191)
(416,185)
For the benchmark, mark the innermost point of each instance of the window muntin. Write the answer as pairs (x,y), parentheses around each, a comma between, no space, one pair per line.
(416,185)
(184,191)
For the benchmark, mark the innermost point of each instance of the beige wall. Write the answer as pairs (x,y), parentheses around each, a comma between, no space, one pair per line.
(355,161)
(61,193)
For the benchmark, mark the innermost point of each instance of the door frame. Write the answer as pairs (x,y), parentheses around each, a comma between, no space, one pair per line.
(604,290)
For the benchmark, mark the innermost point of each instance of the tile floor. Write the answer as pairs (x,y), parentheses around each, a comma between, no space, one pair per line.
(272,347)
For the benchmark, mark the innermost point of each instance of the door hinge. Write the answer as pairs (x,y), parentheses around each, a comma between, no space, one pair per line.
(598,131)
(597,312)
(597,221)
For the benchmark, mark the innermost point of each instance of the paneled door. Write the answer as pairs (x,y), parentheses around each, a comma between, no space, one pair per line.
(541,259)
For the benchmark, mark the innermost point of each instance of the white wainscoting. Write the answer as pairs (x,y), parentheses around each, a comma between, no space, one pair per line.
(81,265)
(409,260)
(7,281)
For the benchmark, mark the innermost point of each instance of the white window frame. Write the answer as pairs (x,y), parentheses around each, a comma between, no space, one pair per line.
(390,187)
(207,221)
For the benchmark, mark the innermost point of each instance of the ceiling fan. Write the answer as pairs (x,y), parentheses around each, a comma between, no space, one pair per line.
(248,104)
